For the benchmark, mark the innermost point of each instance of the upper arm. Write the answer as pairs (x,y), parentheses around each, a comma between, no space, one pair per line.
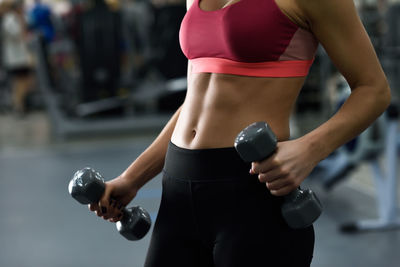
(189,68)
(340,31)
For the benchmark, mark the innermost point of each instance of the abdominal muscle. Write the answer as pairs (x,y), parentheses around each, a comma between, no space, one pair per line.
(218,106)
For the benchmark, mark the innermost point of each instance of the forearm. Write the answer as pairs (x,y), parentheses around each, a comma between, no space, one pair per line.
(363,106)
(151,161)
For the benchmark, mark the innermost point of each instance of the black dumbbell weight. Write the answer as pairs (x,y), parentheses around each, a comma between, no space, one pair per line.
(87,186)
(257,142)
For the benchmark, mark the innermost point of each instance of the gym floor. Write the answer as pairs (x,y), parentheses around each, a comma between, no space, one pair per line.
(42,226)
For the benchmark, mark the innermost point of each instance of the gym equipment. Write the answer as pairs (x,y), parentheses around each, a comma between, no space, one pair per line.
(165,40)
(385,28)
(385,181)
(257,142)
(99,46)
(87,186)
(64,125)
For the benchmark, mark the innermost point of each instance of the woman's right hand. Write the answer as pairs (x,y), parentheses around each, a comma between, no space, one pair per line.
(117,194)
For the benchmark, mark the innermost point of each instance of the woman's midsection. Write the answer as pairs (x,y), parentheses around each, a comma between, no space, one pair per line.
(217,107)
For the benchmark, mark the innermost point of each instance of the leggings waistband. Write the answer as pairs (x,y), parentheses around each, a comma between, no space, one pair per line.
(205,164)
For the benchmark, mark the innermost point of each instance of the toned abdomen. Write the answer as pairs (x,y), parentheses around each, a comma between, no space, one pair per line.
(218,106)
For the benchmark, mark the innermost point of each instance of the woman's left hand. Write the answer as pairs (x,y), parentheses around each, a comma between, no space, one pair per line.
(287,168)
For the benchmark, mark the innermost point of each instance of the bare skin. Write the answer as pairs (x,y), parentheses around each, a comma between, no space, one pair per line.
(218,106)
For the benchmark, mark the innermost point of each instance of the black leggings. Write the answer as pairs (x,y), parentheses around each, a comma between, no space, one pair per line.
(214,213)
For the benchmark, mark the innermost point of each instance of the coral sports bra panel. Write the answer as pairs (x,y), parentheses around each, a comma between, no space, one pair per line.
(249,38)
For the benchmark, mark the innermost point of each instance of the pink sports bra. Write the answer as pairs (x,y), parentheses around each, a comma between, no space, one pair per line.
(249,38)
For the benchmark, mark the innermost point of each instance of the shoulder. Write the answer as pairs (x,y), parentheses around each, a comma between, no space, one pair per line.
(305,13)
(316,11)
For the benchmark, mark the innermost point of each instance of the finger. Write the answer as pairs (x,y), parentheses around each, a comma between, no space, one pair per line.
(113,212)
(278,184)
(103,207)
(272,175)
(265,165)
(108,213)
(283,191)
(104,202)
(116,219)
(93,206)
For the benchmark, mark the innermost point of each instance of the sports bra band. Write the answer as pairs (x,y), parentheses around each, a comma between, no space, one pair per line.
(289,68)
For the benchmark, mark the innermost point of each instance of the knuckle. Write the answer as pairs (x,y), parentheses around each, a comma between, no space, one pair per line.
(271,178)
(104,203)
(284,172)
(276,163)
(271,186)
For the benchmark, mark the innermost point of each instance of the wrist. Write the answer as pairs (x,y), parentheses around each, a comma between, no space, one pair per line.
(132,181)
(316,149)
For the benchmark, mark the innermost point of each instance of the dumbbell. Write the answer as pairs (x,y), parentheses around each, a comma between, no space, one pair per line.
(257,142)
(87,186)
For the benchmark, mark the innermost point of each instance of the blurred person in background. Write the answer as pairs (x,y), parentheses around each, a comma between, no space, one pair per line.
(17,59)
(138,19)
(2,11)
(39,19)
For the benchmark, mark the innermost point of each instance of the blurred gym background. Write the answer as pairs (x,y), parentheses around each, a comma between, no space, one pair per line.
(92,82)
